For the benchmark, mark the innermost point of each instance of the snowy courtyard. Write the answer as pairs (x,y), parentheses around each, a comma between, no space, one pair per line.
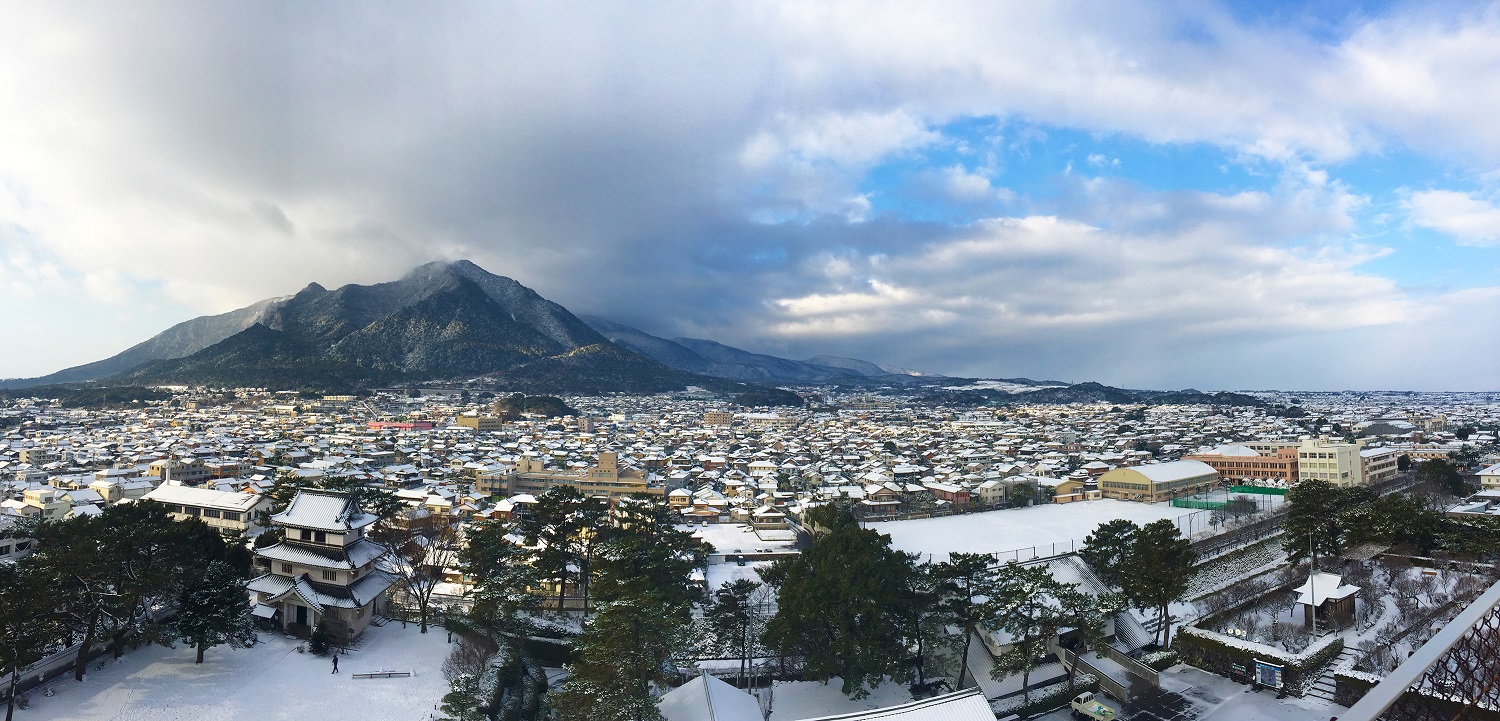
(268,681)
(1008,530)
(1194,694)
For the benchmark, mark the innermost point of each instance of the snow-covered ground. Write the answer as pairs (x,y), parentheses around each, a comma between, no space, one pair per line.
(1006,386)
(269,681)
(739,538)
(794,700)
(1215,698)
(1023,528)
(732,538)
(721,573)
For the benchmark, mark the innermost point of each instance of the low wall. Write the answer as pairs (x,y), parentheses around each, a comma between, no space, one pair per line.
(1217,653)
(1349,686)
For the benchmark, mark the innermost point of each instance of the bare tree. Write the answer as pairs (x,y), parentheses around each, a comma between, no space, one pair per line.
(468,657)
(422,553)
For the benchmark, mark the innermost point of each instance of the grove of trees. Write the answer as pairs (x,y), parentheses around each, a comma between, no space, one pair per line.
(1152,565)
(128,575)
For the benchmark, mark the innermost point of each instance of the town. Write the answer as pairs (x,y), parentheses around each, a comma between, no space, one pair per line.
(471,554)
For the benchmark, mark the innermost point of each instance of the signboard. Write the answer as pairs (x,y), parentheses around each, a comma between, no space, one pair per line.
(1267,674)
(1238,672)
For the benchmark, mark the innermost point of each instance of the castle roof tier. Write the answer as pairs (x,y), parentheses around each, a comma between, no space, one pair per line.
(321,596)
(345,558)
(323,512)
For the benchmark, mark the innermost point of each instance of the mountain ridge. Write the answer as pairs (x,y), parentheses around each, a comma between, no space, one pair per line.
(709,357)
(439,321)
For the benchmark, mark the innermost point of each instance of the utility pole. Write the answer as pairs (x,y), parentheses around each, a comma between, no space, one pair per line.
(1312,593)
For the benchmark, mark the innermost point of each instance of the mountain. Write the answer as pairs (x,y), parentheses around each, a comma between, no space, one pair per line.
(864,368)
(180,340)
(1099,393)
(441,321)
(696,355)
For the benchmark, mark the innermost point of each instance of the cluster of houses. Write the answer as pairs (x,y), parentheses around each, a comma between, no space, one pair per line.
(214,457)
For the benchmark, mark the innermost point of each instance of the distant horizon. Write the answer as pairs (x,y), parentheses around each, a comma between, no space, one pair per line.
(925,372)
(1210,195)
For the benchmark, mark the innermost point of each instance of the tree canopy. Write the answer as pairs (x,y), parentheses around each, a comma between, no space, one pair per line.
(837,605)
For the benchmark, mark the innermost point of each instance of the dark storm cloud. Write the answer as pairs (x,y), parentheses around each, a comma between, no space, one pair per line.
(702,169)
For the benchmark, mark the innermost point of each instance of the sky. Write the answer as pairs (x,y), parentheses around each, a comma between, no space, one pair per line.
(1243,195)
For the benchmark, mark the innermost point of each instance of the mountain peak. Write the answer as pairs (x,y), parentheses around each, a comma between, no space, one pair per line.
(438,267)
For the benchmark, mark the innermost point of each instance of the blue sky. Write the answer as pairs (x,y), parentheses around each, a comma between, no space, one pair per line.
(1238,195)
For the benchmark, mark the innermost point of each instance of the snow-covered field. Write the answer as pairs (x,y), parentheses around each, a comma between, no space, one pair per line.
(1010,529)
(269,681)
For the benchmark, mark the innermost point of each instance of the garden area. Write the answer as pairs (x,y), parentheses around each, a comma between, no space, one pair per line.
(1391,609)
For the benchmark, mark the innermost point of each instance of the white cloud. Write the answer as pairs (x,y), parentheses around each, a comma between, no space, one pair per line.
(965,185)
(247,149)
(1470,220)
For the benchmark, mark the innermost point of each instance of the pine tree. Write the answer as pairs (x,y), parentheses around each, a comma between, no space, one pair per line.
(964,578)
(646,595)
(1030,605)
(552,527)
(734,622)
(1158,571)
(622,655)
(500,613)
(28,630)
(921,618)
(213,610)
(1320,514)
(111,570)
(1107,548)
(838,605)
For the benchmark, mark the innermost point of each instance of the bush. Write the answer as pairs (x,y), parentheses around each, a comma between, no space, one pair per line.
(318,642)
(1160,660)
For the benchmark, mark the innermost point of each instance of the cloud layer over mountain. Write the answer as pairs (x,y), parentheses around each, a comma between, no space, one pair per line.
(1145,194)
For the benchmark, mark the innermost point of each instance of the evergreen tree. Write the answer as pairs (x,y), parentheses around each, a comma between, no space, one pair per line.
(1030,605)
(620,658)
(213,610)
(28,629)
(1107,548)
(1158,571)
(964,578)
(921,618)
(837,605)
(734,622)
(1322,515)
(499,614)
(646,594)
(1439,473)
(593,523)
(110,571)
(552,527)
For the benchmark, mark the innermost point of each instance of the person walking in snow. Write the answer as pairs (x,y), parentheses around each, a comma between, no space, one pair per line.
(335,663)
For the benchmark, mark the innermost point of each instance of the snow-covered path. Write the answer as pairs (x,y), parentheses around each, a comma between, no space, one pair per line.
(269,681)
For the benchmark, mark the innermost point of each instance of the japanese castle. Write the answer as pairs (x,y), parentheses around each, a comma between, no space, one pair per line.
(324,570)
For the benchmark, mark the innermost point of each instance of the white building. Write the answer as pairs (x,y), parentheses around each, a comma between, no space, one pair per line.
(228,512)
(1378,464)
(1490,477)
(1336,463)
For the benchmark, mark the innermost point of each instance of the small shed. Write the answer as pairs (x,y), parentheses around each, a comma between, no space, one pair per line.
(1325,596)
